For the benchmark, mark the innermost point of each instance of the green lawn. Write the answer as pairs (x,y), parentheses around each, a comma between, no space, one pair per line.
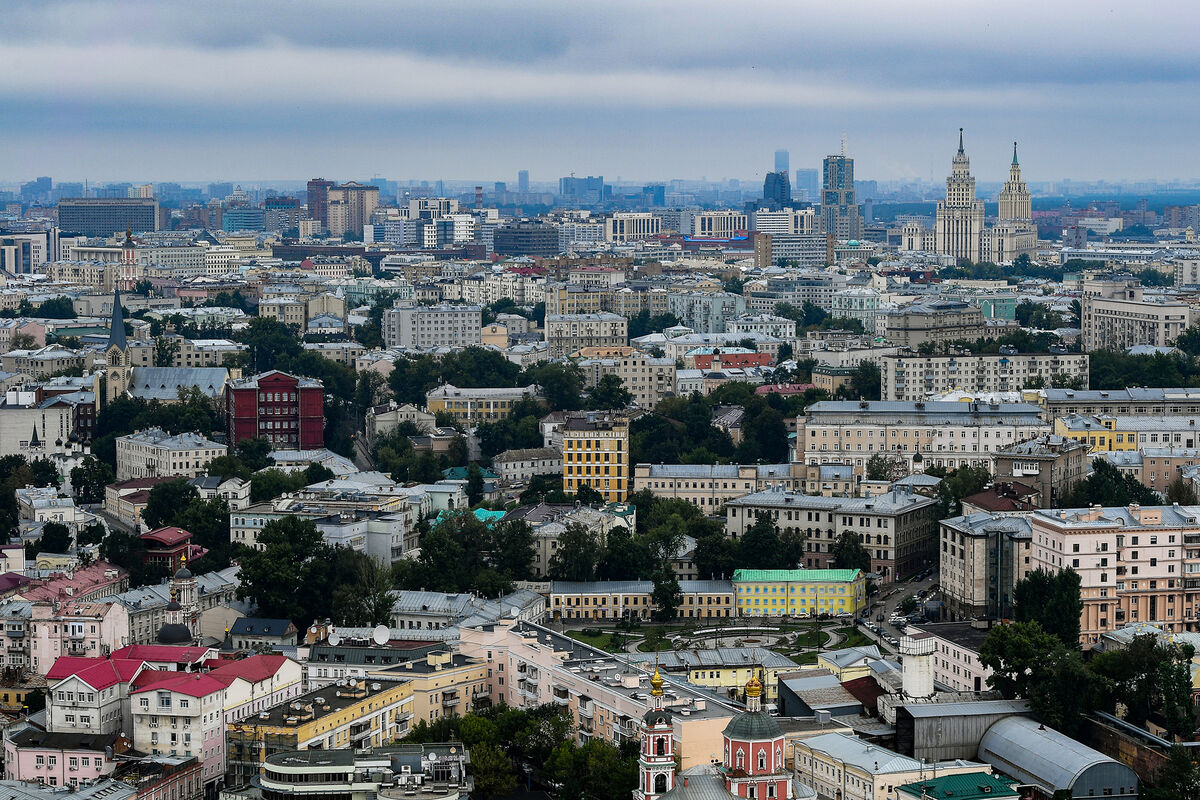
(812,639)
(854,637)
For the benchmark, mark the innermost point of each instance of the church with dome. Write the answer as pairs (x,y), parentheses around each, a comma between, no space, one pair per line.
(752,764)
(183,611)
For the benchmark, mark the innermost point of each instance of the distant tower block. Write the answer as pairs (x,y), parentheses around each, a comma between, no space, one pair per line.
(918,665)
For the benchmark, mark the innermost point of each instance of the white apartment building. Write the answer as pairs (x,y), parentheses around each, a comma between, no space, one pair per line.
(1117,316)
(154,452)
(432,326)
(860,303)
(628,226)
(787,220)
(182,716)
(712,224)
(915,377)
(569,333)
(780,328)
(920,434)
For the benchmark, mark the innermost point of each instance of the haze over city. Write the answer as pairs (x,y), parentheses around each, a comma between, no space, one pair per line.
(643,91)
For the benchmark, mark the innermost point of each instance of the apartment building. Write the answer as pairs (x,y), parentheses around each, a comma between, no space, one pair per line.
(569,333)
(604,696)
(348,715)
(437,771)
(712,224)
(706,312)
(786,221)
(915,377)
(596,454)
(982,557)
(473,406)
(617,600)
(922,435)
(1107,433)
(516,466)
(153,452)
(629,226)
(780,328)
(1050,464)
(570,299)
(897,528)
(181,714)
(432,326)
(1136,401)
(933,321)
(1118,315)
(710,486)
(1135,564)
(647,378)
(956,654)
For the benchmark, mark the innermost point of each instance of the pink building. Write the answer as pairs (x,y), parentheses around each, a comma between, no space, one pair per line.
(55,759)
(74,628)
(93,582)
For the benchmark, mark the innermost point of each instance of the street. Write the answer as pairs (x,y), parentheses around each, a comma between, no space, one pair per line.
(885,602)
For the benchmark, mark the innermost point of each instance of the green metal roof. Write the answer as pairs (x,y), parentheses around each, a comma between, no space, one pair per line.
(815,575)
(972,786)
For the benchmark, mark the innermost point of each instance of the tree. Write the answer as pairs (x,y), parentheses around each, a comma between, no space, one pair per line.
(1016,654)
(865,383)
(271,483)
(89,479)
(849,553)
(474,484)
(760,547)
(1052,599)
(366,601)
(287,576)
(493,771)
(165,351)
(1107,485)
(165,500)
(578,553)
(609,393)
(226,467)
(883,467)
(625,557)
(208,522)
(255,453)
(667,595)
(560,383)
(56,538)
(1177,779)
(269,340)
(1181,492)
(23,341)
(44,472)
(92,533)
(716,557)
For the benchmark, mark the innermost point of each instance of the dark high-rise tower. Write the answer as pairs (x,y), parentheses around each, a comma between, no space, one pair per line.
(839,207)
(318,200)
(777,190)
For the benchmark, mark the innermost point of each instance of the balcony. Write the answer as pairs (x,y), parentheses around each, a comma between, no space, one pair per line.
(450,701)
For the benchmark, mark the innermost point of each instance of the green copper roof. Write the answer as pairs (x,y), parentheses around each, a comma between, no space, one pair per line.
(973,786)
(815,575)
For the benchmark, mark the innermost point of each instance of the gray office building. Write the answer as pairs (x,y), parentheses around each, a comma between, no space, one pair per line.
(100,216)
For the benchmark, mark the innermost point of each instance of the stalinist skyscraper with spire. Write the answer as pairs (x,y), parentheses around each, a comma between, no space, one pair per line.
(959,227)
(961,230)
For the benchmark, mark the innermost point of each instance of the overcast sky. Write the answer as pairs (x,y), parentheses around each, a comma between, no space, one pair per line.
(641,90)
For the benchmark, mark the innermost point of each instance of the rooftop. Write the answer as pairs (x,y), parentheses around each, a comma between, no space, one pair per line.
(893,502)
(319,702)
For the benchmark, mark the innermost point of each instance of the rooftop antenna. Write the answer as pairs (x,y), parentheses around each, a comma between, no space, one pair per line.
(843,144)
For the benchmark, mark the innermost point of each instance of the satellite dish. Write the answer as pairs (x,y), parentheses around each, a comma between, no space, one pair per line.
(334,640)
(381,634)
(353,683)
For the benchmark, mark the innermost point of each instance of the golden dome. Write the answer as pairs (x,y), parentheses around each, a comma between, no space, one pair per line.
(753,687)
(656,683)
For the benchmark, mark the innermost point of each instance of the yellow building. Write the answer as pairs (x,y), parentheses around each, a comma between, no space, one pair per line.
(614,600)
(474,406)
(495,335)
(799,592)
(345,715)
(1098,433)
(443,684)
(596,454)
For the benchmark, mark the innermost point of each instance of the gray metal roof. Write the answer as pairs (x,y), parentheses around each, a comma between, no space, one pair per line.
(719,657)
(1033,753)
(164,383)
(972,708)
(892,502)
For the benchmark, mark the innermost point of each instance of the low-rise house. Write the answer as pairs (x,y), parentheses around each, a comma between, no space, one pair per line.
(516,466)
(250,633)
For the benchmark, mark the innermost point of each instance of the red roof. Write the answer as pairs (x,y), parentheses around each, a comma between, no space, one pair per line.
(99,673)
(193,684)
(162,652)
(252,669)
(169,536)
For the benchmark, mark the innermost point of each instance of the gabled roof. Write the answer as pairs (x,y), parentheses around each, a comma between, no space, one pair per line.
(167,536)
(98,673)
(252,669)
(193,684)
(162,653)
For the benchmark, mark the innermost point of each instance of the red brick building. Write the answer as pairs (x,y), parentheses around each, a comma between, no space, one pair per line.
(286,410)
(169,547)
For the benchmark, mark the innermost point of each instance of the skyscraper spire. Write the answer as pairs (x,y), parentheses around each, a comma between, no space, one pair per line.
(960,140)
(1014,154)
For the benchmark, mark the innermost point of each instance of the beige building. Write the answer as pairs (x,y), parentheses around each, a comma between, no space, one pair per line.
(154,452)
(202,352)
(934,321)
(898,529)
(569,333)
(960,215)
(473,406)
(383,419)
(443,684)
(1050,464)
(982,556)
(563,299)
(1117,316)
(515,466)
(648,379)
(288,310)
(922,435)
(596,454)
(615,600)
(629,226)
(710,486)
(713,224)
(1134,563)
(916,377)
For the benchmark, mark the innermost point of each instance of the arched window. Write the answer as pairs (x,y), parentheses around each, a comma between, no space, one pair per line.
(660,783)
(660,748)
(778,758)
(741,758)
(762,759)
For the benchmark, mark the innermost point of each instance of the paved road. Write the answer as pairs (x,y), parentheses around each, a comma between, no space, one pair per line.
(886,602)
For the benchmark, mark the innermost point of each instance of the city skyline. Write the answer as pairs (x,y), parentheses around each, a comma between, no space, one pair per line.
(113,91)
